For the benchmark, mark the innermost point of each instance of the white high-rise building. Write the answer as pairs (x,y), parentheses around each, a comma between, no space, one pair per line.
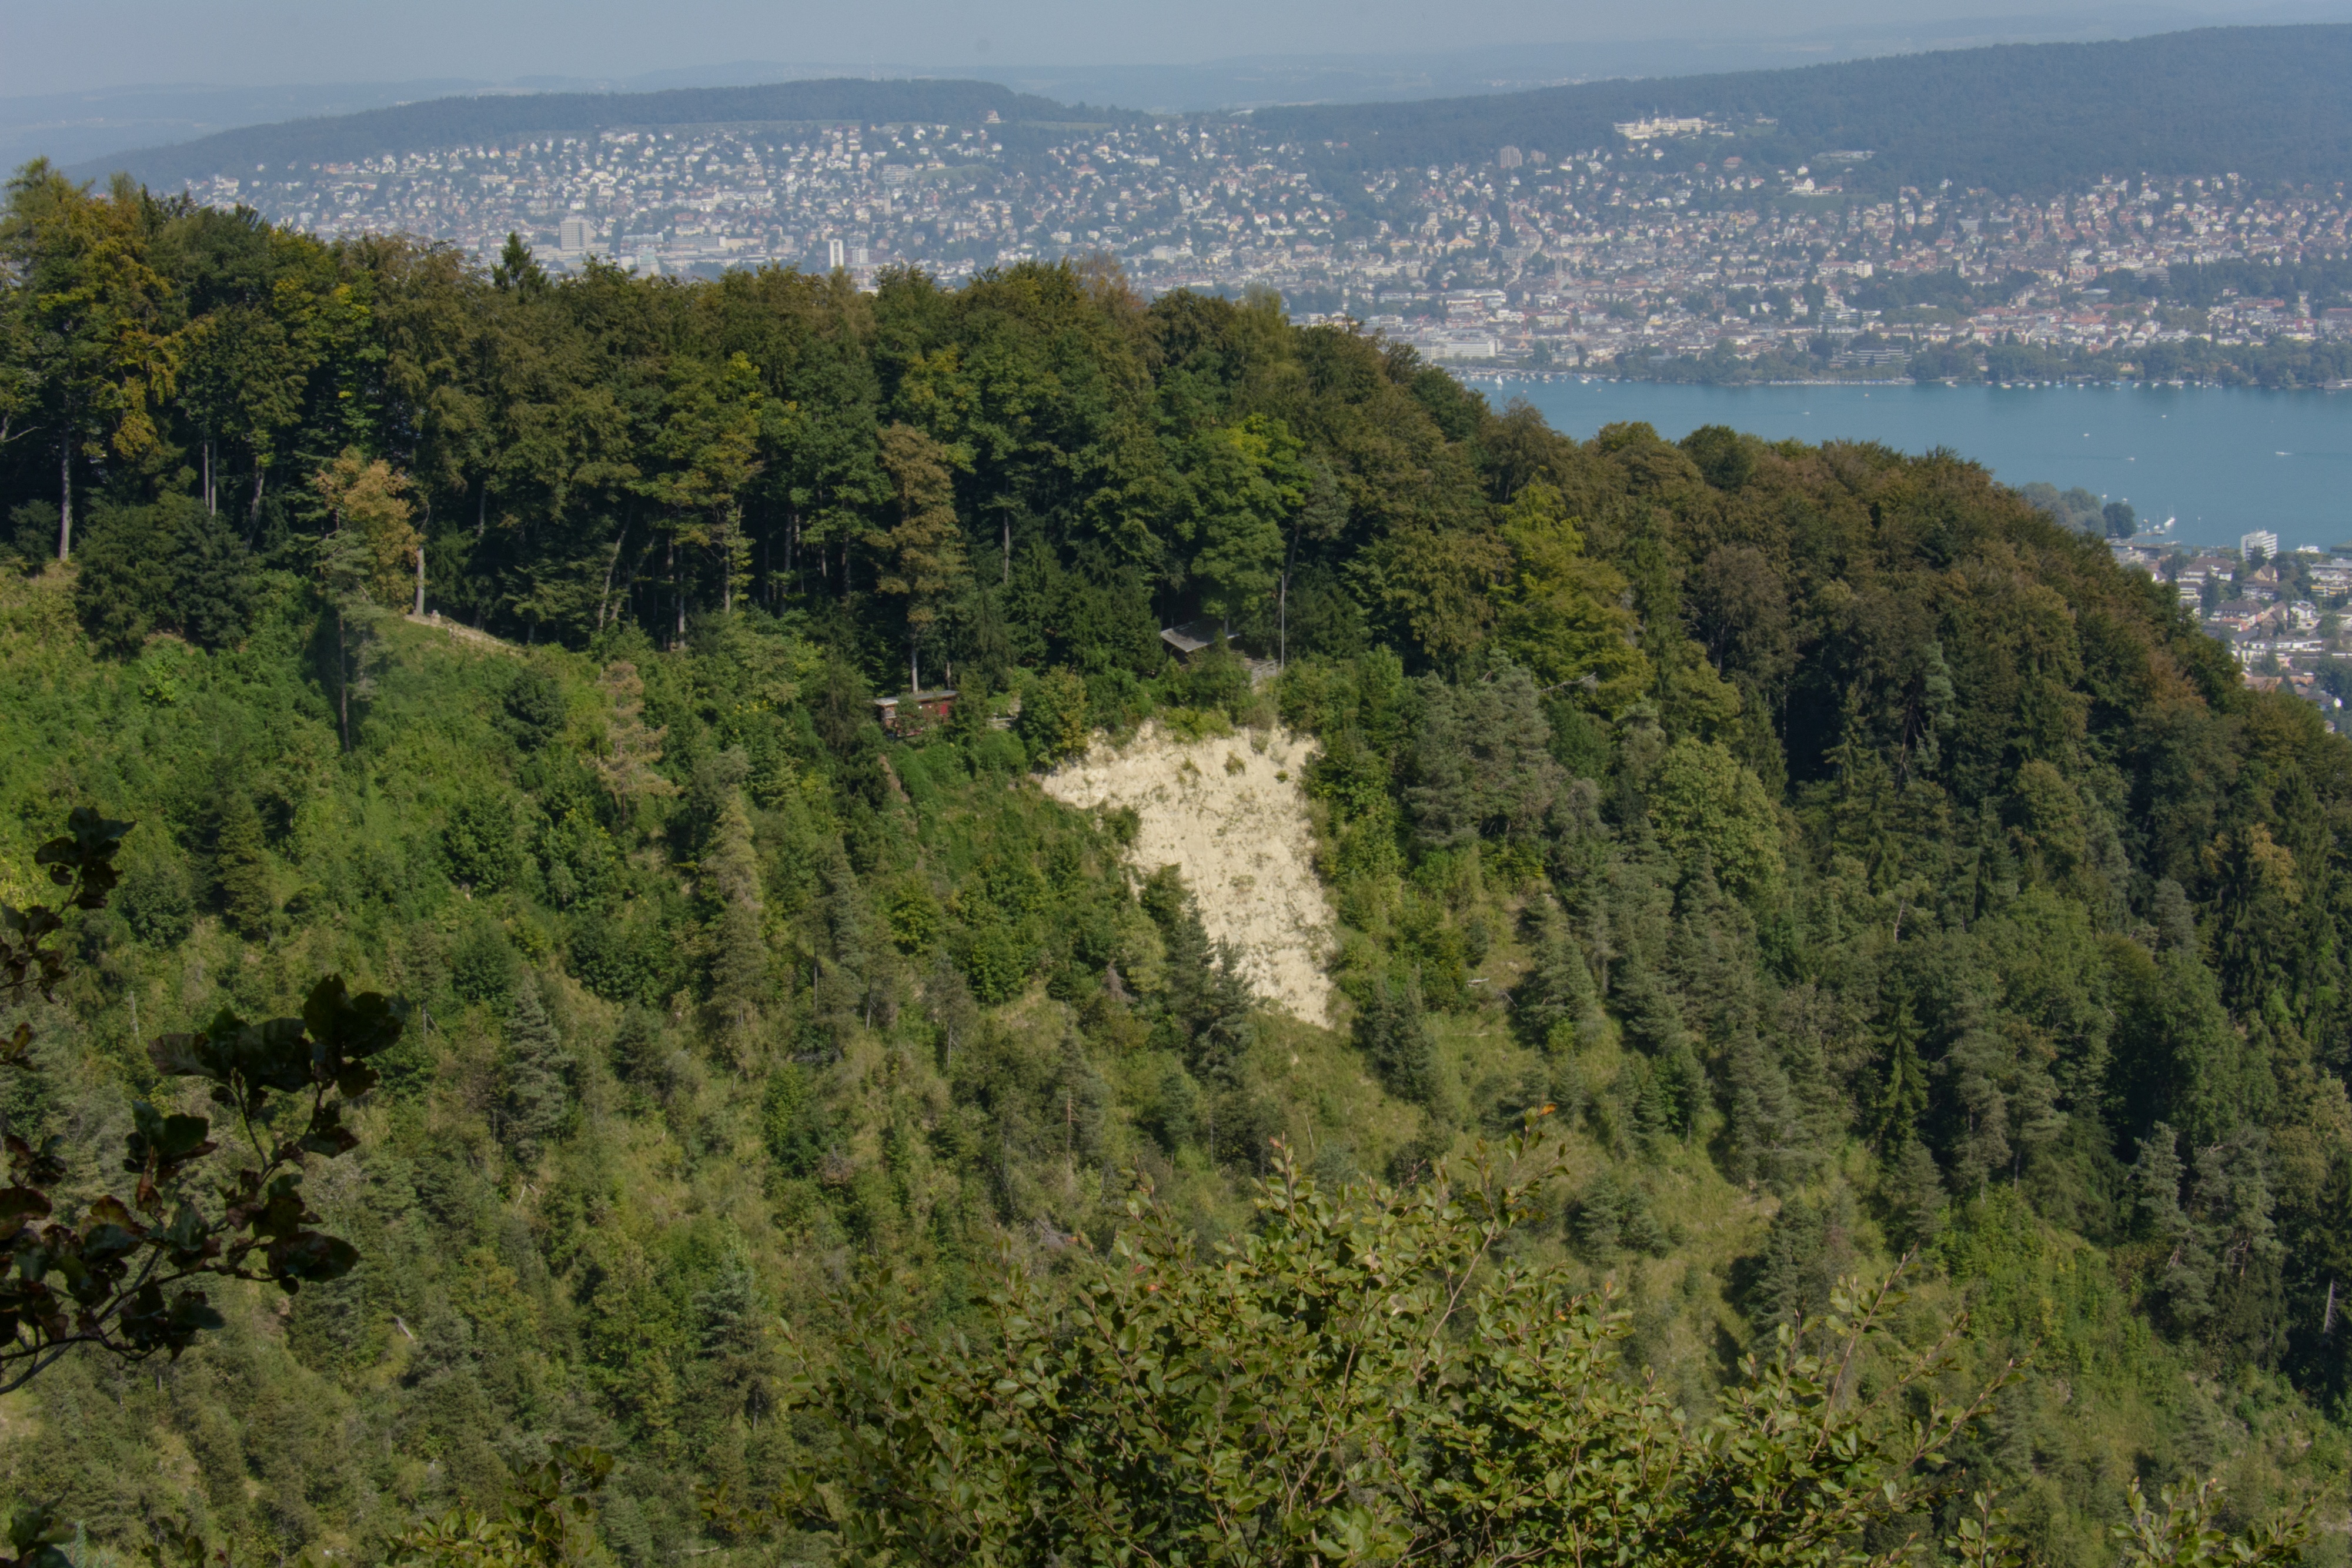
(573,236)
(2260,539)
(833,254)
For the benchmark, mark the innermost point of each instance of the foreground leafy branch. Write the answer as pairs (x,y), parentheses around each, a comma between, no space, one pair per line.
(124,1276)
(80,860)
(548,1522)
(1372,1376)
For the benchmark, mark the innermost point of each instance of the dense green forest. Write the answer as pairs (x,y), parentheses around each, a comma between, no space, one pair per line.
(1839,856)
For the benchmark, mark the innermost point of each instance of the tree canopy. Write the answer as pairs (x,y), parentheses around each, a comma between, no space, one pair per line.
(1850,855)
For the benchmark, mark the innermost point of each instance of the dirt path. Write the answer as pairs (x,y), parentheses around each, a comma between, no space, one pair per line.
(1232,818)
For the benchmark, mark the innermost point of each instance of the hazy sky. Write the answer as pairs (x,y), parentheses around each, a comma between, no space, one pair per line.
(49,48)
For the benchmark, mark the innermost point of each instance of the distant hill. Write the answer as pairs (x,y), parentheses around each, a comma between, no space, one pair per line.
(2268,103)
(450,121)
(93,124)
(88,126)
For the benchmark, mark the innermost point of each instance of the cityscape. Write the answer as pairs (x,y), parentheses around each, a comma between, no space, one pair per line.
(1538,257)
(2279,614)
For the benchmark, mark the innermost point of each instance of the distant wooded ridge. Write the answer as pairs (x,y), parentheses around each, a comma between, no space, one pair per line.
(2265,103)
(452,122)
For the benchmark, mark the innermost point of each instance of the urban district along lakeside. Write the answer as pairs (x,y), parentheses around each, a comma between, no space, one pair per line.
(1647,256)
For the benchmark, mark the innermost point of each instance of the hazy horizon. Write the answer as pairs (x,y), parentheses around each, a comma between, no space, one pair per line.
(259,43)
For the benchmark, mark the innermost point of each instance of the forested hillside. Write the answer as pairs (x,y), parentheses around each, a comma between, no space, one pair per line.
(2016,119)
(2028,119)
(1852,861)
(499,117)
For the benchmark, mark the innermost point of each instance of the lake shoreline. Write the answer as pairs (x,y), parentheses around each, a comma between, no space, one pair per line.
(2219,461)
(1475,374)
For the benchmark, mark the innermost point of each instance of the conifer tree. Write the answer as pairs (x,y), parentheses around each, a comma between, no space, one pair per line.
(1976,1067)
(535,1098)
(1082,1102)
(739,960)
(1556,1002)
(363,563)
(631,747)
(1768,1135)
(217,585)
(1209,1001)
(154,900)
(844,962)
(1808,1246)
(797,1128)
(242,866)
(1913,1189)
(1611,1213)
(728,1309)
(2174,919)
(2156,1185)
(1172,1114)
(1648,1112)
(2231,1203)
(2183,1276)
(1483,758)
(1903,1095)
(923,556)
(1395,1036)
(1220,1007)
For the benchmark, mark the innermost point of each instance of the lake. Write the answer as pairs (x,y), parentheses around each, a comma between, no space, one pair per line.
(2221,461)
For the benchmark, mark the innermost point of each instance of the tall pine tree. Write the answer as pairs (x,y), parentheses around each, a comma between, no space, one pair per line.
(1555,1004)
(738,958)
(242,866)
(535,1098)
(1394,1033)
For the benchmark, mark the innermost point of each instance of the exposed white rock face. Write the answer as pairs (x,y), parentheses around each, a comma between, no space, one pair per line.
(1231,814)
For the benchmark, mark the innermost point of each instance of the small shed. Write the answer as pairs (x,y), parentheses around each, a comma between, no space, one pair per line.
(1191,637)
(914,708)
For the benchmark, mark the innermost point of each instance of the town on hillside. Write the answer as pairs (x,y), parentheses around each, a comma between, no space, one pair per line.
(1615,256)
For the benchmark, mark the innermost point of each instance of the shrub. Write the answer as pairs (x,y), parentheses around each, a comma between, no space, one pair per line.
(481,842)
(482,963)
(620,960)
(1053,723)
(169,566)
(1369,1375)
(155,902)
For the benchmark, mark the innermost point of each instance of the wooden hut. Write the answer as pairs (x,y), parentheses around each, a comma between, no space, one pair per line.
(915,710)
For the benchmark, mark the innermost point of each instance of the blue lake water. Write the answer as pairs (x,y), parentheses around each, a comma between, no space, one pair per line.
(2221,461)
